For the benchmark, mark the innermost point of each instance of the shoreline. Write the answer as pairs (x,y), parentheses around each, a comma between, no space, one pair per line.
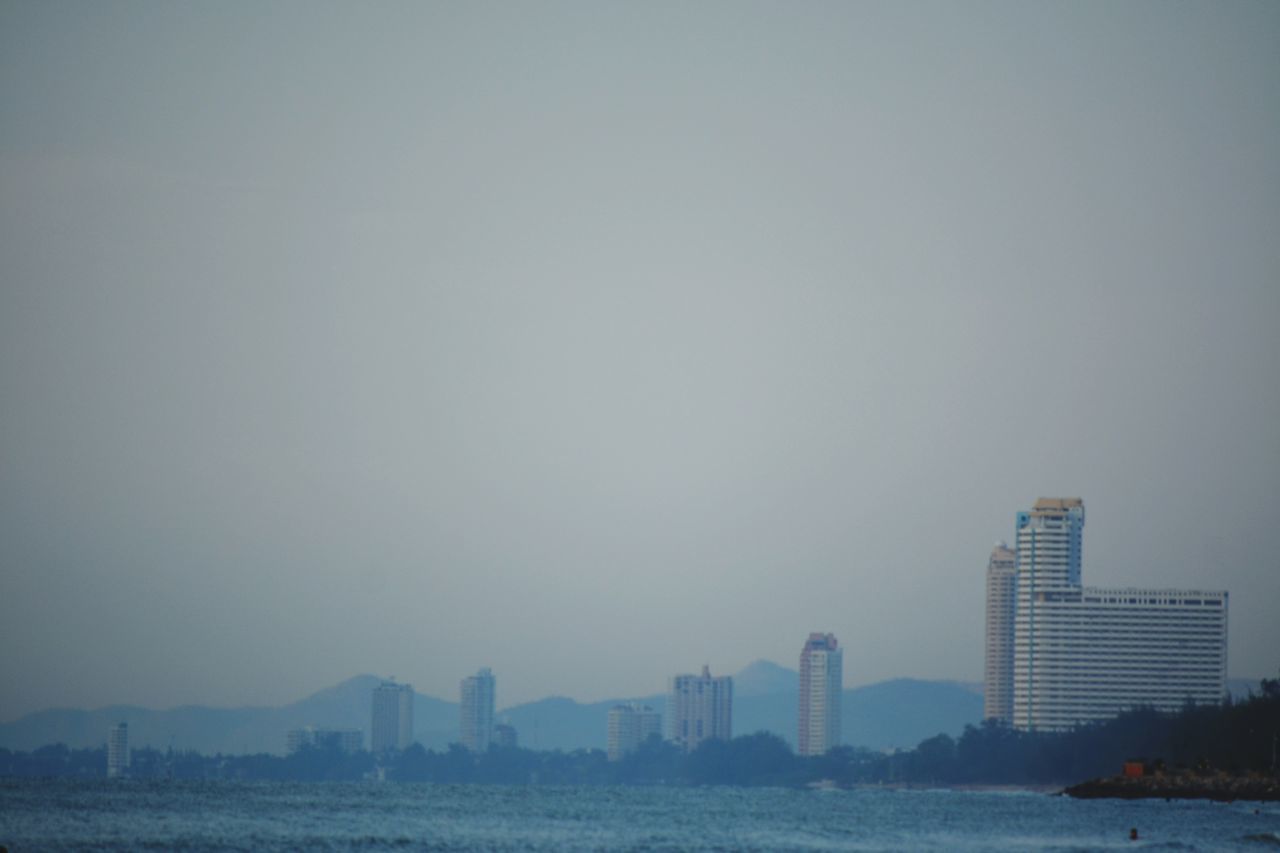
(1221,787)
(965,788)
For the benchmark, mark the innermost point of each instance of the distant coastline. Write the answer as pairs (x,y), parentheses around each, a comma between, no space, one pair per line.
(963,787)
(1184,754)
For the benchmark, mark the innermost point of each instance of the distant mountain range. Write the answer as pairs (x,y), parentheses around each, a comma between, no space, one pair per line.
(889,714)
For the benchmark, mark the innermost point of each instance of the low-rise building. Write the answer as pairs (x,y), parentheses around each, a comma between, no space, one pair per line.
(505,736)
(629,726)
(345,740)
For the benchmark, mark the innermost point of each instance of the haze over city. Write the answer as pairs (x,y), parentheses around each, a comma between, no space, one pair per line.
(593,343)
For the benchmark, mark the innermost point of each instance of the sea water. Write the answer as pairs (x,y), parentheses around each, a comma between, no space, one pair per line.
(136,815)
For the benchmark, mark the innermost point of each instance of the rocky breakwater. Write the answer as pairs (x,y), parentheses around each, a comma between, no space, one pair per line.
(1181,786)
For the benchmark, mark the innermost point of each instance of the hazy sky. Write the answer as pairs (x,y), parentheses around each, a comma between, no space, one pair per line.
(594,342)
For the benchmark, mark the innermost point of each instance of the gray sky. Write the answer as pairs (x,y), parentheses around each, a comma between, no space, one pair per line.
(593,342)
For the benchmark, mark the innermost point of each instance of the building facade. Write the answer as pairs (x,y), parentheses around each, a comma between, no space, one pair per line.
(821,686)
(477,711)
(1002,591)
(344,740)
(118,757)
(630,726)
(392,725)
(505,736)
(699,708)
(1084,654)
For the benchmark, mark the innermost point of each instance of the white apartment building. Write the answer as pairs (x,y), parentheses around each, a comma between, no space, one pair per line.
(1083,654)
(392,725)
(476,709)
(630,726)
(1002,590)
(699,707)
(821,688)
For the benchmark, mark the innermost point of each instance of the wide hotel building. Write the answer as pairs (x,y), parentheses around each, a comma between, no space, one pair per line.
(1083,654)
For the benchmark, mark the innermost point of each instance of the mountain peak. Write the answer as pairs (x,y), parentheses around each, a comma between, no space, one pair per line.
(354,689)
(763,677)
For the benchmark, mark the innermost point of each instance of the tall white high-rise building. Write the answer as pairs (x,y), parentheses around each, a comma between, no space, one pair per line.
(699,708)
(1083,654)
(1002,591)
(118,750)
(821,686)
(477,711)
(392,726)
(630,726)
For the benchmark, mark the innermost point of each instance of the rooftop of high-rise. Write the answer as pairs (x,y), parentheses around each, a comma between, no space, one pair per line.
(1056,505)
(820,641)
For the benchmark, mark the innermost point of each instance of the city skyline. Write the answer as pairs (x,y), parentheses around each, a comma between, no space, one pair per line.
(506,329)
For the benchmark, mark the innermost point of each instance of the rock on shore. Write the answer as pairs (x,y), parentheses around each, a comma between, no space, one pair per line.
(1218,786)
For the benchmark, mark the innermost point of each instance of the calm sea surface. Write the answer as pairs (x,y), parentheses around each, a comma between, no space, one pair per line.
(65,815)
